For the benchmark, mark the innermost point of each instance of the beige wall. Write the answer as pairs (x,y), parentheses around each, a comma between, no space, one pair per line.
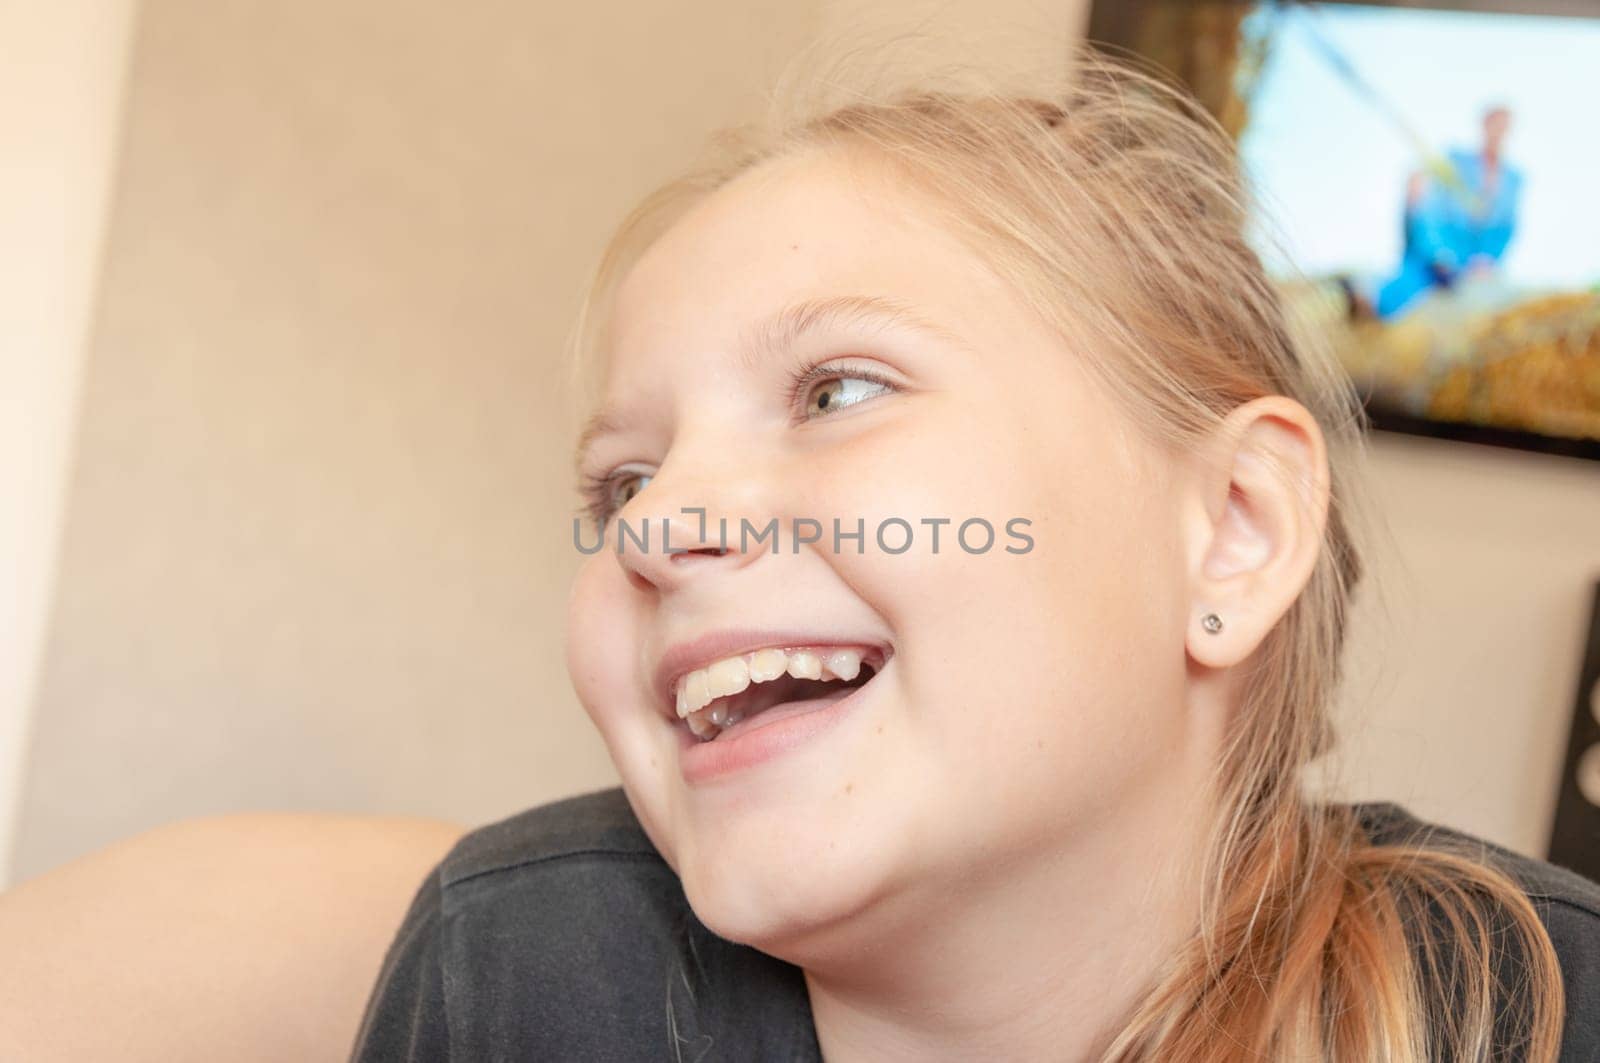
(318,544)
(1027,36)
(1462,685)
(318,537)
(60,99)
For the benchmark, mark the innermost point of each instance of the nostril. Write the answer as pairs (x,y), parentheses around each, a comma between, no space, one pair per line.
(706,551)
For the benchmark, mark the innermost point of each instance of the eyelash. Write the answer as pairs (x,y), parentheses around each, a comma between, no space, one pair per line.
(806,376)
(596,489)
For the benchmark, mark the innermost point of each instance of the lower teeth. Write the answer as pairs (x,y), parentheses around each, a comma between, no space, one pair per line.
(708,726)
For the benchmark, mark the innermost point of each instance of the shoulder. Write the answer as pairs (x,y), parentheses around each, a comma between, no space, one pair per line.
(523,934)
(579,872)
(1390,823)
(560,932)
(599,825)
(527,893)
(1567,903)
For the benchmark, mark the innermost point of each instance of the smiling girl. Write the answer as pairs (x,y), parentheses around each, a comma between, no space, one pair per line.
(895,787)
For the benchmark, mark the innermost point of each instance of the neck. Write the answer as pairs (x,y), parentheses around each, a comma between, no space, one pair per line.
(1035,961)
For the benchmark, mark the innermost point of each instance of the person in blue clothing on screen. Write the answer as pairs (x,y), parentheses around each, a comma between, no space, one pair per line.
(1457,227)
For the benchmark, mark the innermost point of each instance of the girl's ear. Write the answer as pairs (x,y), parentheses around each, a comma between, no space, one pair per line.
(1254,517)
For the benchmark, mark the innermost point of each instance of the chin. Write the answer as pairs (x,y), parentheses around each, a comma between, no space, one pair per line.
(778,897)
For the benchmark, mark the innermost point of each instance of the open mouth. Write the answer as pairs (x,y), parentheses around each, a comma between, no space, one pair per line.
(756,689)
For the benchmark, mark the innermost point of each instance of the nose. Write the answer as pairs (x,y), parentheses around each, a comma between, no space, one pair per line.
(690,529)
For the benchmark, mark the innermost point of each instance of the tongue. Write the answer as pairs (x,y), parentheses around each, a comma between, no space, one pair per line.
(783,710)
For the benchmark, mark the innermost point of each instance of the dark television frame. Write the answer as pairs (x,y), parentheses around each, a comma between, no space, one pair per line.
(1113,22)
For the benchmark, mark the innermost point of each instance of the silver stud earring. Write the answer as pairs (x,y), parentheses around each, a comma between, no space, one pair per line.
(1211,622)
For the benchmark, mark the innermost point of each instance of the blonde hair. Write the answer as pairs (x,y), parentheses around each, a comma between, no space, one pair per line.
(1314,942)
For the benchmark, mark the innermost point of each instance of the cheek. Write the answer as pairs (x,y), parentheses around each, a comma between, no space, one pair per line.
(1076,658)
(961,484)
(602,641)
(1038,684)
(606,628)
(604,632)
(903,477)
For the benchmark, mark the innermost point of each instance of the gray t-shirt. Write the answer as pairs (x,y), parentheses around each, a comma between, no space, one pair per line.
(561,934)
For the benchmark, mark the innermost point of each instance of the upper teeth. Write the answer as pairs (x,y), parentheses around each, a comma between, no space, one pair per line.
(730,675)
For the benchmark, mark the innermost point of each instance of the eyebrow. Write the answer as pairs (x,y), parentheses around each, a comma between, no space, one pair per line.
(778,333)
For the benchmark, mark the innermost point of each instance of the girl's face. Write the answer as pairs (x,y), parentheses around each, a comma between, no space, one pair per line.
(1030,695)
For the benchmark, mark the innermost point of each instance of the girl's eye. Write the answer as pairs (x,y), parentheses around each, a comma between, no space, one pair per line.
(624,486)
(825,391)
(837,392)
(605,495)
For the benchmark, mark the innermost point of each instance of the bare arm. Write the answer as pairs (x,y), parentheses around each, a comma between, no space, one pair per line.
(246,937)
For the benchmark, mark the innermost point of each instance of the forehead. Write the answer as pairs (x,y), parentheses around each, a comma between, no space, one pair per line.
(788,236)
(797,229)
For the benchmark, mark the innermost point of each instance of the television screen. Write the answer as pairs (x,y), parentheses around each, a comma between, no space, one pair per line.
(1428,186)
